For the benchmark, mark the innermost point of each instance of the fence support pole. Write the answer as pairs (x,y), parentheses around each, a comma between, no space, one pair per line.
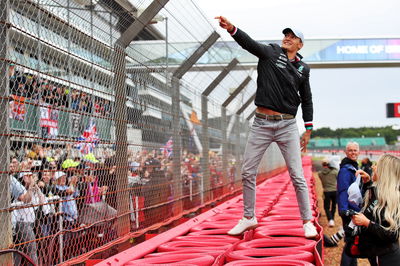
(123,224)
(5,197)
(121,140)
(224,145)
(176,77)
(205,179)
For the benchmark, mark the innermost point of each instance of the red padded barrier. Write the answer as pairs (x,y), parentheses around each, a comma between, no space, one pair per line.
(277,226)
(269,261)
(292,211)
(223,231)
(292,223)
(279,239)
(214,253)
(227,239)
(267,232)
(281,217)
(179,259)
(256,254)
(201,245)
(214,225)
(279,242)
(224,216)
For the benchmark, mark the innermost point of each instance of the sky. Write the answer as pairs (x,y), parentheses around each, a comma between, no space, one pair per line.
(342,98)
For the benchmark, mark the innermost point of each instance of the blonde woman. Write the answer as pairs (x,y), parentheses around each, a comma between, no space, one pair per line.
(380,217)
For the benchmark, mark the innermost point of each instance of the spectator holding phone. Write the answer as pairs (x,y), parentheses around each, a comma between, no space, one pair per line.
(380,217)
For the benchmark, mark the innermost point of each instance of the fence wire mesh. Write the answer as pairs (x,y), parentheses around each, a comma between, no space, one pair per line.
(88,162)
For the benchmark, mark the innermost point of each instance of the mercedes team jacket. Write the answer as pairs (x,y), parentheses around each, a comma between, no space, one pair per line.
(281,85)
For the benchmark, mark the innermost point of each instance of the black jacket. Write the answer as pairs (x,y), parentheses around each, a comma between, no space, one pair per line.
(281,85)
(376,239)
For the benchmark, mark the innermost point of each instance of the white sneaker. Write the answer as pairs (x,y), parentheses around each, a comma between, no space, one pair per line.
(243,225)
(309,230)
(331,223)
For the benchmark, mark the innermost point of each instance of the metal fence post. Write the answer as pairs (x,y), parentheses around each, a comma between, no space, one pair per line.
(176,147)
(205,180)
(224,144)
(5,197)
(121,140)
(204,109)
(123,225)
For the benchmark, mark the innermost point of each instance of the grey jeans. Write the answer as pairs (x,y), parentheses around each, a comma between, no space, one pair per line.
(285,134)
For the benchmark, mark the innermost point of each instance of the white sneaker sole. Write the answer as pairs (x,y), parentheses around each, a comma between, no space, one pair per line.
(311,237)
(247,229)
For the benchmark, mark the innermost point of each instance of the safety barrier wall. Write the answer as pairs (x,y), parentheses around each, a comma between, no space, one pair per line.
(278,239)
(102,141)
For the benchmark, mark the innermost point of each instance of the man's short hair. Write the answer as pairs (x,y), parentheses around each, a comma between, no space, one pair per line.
(352,143)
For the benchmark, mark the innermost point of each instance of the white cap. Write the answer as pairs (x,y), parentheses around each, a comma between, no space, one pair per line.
(59,174)
(24,174)
(296,32)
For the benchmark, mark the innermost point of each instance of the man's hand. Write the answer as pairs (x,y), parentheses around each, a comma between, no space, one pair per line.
(304,140)
(224,23)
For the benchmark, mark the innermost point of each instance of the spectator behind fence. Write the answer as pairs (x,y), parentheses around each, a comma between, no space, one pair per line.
(69,208)
(155,191)
(346,176)
(24,218)
(328,177)
(21,231)
(380,216)
(109,178)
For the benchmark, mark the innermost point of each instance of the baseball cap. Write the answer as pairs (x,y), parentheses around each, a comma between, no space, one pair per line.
(296,32)
(59,174)
(69,163)
(134,166)
(90,158)
(24,174)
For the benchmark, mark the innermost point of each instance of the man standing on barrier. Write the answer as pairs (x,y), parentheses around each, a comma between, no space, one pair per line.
(282,84)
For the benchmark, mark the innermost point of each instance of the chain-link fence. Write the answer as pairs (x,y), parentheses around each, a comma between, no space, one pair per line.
(112,122)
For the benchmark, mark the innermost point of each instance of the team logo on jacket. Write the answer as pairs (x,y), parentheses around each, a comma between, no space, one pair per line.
(300,71)
(281,61)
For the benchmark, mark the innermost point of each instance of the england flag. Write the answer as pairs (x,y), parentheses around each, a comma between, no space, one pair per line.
(89,139)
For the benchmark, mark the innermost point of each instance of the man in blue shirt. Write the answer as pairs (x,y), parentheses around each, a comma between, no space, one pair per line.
(346,177)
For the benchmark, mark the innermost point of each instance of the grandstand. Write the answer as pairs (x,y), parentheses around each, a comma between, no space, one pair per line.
(326,143)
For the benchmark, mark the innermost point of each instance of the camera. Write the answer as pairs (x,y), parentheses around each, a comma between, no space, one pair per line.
(334,239)
(350,213)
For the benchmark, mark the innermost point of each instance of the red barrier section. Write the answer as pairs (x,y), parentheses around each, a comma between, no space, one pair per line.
(278,240)
(200,245)
(182,259)
(214,253)
(284,253)
(270,261)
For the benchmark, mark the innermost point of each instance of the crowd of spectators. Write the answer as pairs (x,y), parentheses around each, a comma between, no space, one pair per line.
(60,182)
(44,91)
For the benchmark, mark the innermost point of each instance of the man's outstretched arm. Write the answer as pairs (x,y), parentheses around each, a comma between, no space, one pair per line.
(244,40)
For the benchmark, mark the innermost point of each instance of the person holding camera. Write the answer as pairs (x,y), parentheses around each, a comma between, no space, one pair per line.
(379,218)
